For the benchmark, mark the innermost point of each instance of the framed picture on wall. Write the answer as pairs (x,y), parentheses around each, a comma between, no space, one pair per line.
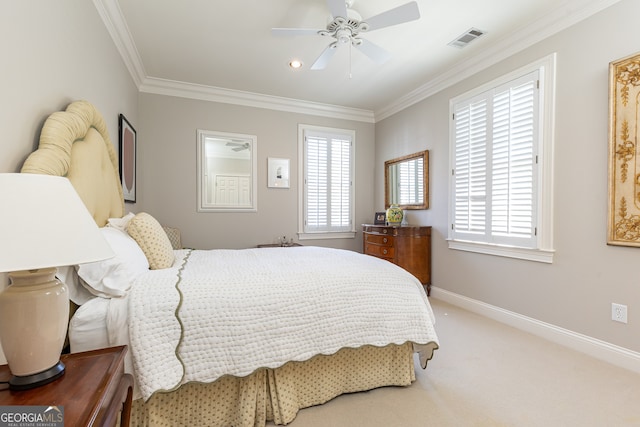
(127,145)
(278,173)
(624,168)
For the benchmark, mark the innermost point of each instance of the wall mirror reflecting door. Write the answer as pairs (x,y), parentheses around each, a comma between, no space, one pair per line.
(227,172)
(406,181)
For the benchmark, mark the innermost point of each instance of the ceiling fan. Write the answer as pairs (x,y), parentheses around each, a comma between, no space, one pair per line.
(238,146)
(346,26)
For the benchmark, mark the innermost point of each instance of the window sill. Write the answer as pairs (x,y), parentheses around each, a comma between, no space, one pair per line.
(537,255)
(327,235)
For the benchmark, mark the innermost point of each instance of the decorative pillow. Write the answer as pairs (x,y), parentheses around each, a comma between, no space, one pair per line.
(152,239)
(113,277)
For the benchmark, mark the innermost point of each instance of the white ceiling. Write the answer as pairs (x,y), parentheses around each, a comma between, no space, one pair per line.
(214,49)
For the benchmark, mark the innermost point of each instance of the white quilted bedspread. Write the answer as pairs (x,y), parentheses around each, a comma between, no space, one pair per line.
(222,312)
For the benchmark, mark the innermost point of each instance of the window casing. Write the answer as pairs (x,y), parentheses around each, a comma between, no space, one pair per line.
(327,191)
(501,155)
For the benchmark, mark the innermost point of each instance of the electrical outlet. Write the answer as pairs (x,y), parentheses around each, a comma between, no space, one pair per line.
(619,312)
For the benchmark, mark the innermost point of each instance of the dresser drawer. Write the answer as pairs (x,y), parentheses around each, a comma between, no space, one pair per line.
(379,251)
(379,229)
(378,239)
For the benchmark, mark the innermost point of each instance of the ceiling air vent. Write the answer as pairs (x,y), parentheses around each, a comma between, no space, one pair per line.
(466,38)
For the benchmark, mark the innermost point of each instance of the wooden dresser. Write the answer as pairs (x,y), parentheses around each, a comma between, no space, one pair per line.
(409,247)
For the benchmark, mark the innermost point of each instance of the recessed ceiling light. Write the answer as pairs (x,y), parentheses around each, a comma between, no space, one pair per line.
(295,64)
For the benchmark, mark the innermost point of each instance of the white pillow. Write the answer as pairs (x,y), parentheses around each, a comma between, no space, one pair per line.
(113,277)
(77,293)
(121,223)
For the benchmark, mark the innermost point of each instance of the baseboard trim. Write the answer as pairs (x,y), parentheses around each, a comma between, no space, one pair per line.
(602,350)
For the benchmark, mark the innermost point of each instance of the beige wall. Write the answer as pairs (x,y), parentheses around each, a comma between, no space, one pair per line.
(577,290)
(54,53)
(167,171)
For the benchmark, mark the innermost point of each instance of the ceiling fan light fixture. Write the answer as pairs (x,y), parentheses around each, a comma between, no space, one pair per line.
(343,36)
(344,26)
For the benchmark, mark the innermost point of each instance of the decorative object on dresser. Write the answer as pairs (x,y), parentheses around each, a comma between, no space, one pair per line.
(407,246)
(394,215)
(93,391)
(44,224)
(380,219)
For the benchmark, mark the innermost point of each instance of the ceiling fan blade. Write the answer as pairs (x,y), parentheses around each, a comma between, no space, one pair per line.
(294,31)
(324,57)
(373,51)
(337,8)
(399,15)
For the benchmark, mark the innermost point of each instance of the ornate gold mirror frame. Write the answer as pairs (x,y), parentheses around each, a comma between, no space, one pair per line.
(406,181)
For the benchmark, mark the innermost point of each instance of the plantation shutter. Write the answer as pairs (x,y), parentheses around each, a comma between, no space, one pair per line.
(495,171)
(327,182)
(411,173)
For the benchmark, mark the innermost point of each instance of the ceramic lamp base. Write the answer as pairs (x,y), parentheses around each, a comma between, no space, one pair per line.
(34,312)
(36,380)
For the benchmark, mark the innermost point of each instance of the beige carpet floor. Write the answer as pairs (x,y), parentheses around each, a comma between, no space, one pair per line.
(489,374)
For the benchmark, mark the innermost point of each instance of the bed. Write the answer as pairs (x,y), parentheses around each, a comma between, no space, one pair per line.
(227,337)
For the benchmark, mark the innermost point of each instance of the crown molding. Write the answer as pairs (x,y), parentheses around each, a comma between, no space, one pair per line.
(250,99)
(570,13)
(114,21)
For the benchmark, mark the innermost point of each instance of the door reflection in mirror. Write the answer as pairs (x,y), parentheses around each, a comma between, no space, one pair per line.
(226,172)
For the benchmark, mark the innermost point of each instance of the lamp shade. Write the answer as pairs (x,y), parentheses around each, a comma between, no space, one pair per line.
(44,223)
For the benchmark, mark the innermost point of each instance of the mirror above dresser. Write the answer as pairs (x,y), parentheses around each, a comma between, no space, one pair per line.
(406,181)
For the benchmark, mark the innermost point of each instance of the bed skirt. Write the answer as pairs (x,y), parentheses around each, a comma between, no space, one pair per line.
(277,394)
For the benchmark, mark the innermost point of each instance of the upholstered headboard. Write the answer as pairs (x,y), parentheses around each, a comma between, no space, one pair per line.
(75,143)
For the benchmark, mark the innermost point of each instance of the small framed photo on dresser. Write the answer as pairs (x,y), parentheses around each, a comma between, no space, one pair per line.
(380,218)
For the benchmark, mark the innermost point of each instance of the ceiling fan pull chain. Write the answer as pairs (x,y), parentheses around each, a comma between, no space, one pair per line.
(350,54)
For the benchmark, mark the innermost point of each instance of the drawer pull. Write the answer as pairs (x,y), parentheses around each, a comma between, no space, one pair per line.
(385,240)
(384,230)
(385,251)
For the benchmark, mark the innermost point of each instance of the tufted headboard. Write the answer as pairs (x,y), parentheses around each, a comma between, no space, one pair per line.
(75,143)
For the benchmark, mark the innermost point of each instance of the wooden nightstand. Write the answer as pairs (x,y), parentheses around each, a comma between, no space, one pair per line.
(93,390)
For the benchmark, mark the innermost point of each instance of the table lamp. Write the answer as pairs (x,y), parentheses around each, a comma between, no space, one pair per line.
(43,225)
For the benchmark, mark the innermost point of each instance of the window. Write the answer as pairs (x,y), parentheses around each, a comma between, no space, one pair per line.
(500,166)
(326,186)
